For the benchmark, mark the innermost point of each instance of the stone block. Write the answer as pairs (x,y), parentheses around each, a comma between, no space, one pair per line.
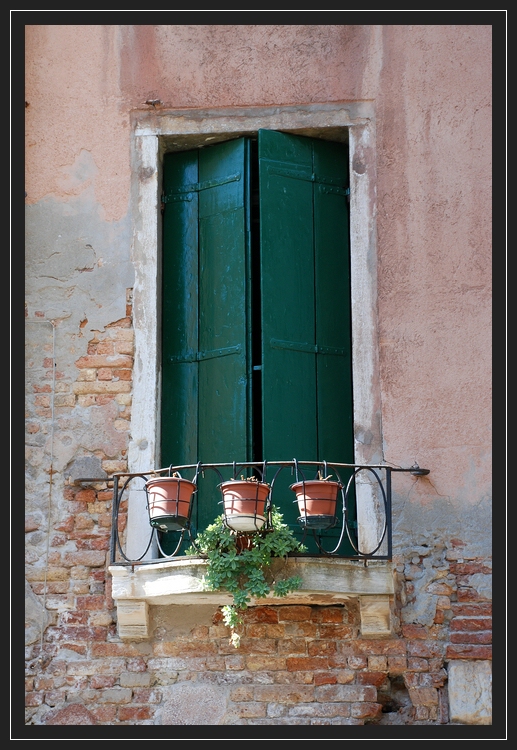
(470,692)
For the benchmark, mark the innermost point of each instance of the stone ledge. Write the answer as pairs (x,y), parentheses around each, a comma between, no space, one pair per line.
(325,582)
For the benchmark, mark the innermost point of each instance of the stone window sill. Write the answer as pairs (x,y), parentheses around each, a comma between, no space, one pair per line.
(325,582)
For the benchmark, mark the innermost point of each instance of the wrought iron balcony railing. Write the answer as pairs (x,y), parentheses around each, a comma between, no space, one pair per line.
(164,521)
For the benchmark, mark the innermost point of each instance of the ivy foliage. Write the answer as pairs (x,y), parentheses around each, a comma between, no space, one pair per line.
(241,564)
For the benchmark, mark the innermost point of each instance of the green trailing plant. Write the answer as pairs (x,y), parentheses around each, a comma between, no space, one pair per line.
(241,564)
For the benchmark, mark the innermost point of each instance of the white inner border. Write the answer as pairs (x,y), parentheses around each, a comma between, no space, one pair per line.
(150,132)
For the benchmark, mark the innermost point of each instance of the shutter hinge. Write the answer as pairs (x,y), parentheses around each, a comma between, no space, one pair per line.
(326,184)
(300,346)
(186,193)
(200,356)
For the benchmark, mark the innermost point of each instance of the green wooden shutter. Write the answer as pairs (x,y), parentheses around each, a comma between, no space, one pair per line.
(223,322)
(306,365)
(180,264)
(205,378)
(304,299)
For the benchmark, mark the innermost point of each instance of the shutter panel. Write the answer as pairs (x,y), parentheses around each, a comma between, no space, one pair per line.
(179,413)
(205,341)
(287,287)
(223,322)
(333,304)
(306,367)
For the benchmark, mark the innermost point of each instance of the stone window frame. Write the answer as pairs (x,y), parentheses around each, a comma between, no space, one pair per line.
(153,133)
(179,581)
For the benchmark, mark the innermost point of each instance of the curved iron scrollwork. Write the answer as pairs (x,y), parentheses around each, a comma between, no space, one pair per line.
(365,483)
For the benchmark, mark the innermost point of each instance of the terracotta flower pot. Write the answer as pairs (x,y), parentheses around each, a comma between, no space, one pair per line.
(244,504)
(317,502)
(169,501)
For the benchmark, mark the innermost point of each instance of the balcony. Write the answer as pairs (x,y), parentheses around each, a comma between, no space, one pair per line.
(348,549)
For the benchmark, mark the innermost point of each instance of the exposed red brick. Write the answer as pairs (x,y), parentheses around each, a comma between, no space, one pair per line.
(102,400)
(411,679)
(417,665)
(105,714)
(414,631)
(94,543)
(327,614)
(72,714)
(371,678)
(321,648)
(264,630)
(114,649)
(43,683)
(146,695)
(476,609)
(333,630)
(123,374)
(366,710)
(292,646)
(58,540)
(105,347)
(357,662)
(70,633)
(484,636)
(73,618)
(93,361)
(300,628)
(297,664)
(134,713)
(396,664)
(252,710)
(88,558)
(248,646)
(99,681)
(469,568)
(471,623)
(325,678)
(187,648)
(467,595)
(423,696)
(53,698)
(97,574)
(424,649)
(284,693)
(468,652)
(433,679)
(91,602)
(66,525)
(369,647)
(262,614)
(263,663)
(297,612)
(78,648)
(122,323)
(86,496)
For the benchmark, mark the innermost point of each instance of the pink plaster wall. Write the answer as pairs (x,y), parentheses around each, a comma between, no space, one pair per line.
(431,86)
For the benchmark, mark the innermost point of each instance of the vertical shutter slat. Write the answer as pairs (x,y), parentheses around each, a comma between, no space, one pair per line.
(179,412)
(307,391)
(205,345)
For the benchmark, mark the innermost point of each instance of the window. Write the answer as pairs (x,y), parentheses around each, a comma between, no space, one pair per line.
(256,334)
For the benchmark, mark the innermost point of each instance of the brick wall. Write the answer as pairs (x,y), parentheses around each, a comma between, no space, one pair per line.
(296,664)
